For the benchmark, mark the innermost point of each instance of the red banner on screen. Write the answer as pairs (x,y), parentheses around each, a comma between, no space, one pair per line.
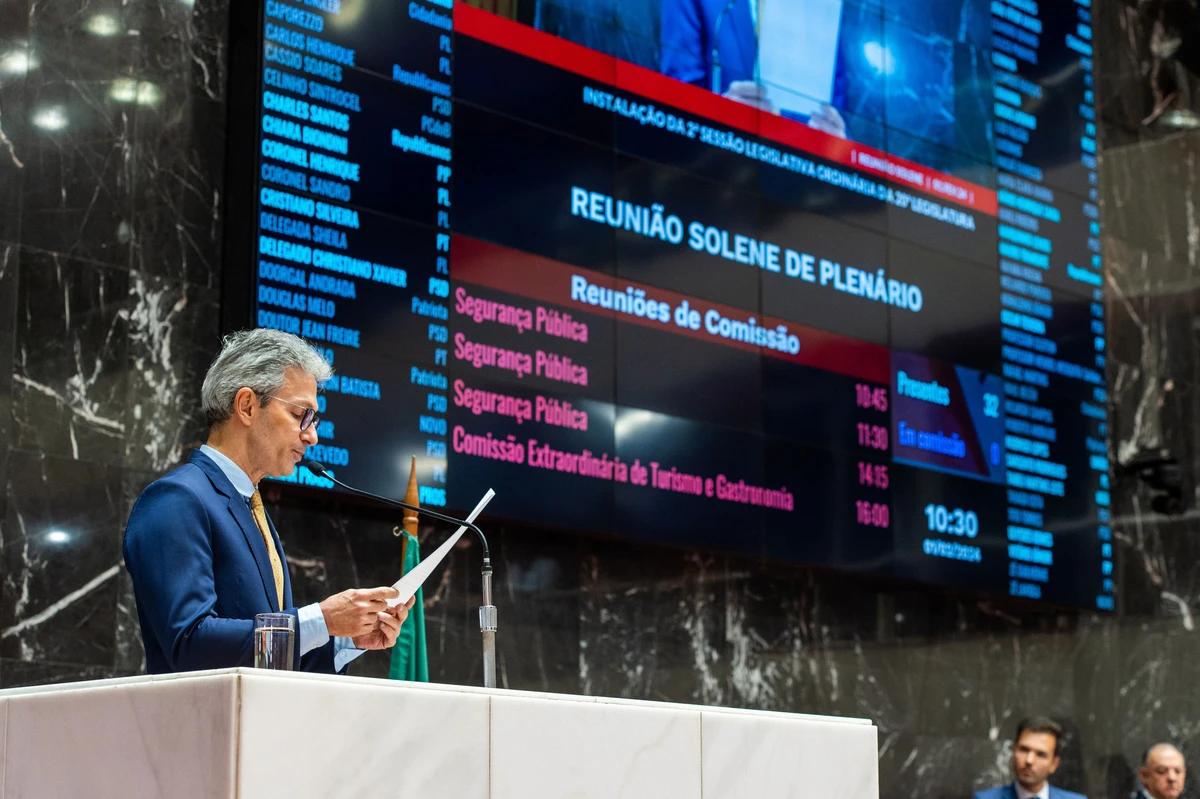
(520,273)
(580,60)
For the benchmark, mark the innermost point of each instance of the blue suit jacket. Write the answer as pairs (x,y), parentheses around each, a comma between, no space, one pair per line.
(689,35)
(1010,792)
(200,573)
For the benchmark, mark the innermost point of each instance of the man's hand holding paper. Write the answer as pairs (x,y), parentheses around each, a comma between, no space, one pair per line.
(365,616)
(384,636)
(356,611)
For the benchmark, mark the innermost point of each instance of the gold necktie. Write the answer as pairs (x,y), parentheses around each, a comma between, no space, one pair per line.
(260,518)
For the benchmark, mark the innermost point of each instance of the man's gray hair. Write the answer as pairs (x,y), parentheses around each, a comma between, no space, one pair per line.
(256,359)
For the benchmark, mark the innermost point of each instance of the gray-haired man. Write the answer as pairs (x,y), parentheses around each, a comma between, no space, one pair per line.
(203,555)
(1162,774)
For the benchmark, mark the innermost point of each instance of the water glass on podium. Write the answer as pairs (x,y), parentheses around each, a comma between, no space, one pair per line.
(274,639)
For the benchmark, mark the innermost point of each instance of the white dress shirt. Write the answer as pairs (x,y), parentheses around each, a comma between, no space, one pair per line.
(313,632)
(1044,793)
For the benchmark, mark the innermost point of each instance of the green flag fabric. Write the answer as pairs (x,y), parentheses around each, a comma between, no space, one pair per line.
(410,659)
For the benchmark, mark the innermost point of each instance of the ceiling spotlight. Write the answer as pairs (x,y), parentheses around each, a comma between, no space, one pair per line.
(123,90)
(126,90)
(148,94)
(1179,119)
(53,118)
(57,537)
(16,62)
(102,25)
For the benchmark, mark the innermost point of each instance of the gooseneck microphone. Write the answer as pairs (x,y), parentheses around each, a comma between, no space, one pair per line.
(488,617)
(318,468)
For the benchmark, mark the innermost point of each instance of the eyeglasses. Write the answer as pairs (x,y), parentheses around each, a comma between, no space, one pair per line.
(309,418)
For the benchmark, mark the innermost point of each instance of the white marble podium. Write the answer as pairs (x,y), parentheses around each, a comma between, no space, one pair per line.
(249,733)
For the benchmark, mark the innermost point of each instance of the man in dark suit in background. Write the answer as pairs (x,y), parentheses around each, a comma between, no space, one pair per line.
(203,555)
(624,29)
(694,31)
(1162,774)
(1034,760)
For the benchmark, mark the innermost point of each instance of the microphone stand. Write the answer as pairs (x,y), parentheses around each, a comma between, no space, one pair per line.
(487,625)
(487,611)
(715,53)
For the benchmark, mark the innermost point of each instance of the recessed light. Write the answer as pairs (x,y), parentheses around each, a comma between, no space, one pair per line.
(102,25)
(17,62)
(57,537)
(53,118)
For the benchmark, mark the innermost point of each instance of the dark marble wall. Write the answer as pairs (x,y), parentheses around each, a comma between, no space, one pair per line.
(111,157)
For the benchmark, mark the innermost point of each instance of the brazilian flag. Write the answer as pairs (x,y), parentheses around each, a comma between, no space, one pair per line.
(410,658)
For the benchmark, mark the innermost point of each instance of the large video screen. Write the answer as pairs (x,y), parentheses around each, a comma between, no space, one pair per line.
(816,281)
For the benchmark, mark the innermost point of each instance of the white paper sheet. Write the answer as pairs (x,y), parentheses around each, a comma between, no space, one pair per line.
(797,51)
(409,583)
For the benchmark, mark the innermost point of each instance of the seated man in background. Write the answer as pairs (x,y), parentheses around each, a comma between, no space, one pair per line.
(1034,760)
(202,553)
(1162,773)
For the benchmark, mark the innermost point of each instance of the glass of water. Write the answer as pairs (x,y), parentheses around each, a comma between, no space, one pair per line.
(274,637)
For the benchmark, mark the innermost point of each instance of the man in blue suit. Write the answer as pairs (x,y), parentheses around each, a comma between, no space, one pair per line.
(203,555)
(1034,760)
(714,44)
